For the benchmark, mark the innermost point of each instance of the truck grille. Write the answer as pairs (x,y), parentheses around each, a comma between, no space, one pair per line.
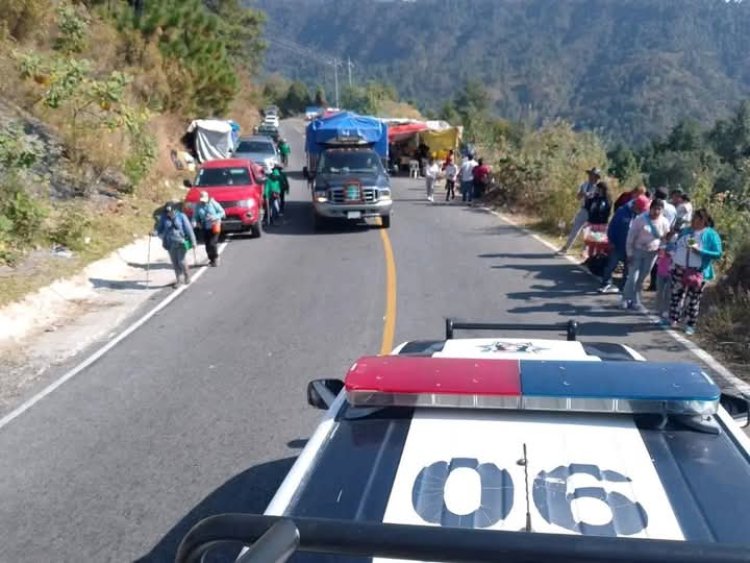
(338,195)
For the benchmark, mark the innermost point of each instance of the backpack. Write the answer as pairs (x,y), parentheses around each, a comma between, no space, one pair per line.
(174,234)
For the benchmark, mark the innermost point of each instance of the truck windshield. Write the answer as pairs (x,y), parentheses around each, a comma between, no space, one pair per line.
(340,162)
(209,177)
(256,147)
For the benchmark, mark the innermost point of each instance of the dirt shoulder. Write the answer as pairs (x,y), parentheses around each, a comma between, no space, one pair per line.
(53,324)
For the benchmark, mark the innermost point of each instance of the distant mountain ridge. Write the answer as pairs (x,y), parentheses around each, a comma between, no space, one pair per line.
(629,68)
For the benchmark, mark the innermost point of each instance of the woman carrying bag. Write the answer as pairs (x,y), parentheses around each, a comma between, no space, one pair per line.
(697,247)
(208,216)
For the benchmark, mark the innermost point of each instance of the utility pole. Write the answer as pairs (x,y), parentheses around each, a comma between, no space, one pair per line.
(349,66)
(336,63)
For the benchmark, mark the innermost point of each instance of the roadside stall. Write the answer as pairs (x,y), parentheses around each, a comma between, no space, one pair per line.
(403,138)
(211,139)
(441,137)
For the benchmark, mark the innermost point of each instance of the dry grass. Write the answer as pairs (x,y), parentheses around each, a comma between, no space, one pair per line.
(113,224)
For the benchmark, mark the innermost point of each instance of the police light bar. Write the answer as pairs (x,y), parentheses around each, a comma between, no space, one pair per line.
(572,386)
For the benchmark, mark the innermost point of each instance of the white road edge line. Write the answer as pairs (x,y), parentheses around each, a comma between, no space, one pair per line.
(696,350)
(18,411)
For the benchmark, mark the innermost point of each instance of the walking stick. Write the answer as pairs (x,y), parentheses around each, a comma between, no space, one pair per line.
(148,260)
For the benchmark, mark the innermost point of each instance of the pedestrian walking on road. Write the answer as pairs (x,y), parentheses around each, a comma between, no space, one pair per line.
(697,247)
(431,176)
(272,196)
(177,237)
(284,180)
(646,235)
(451,174)
(466,174)
(207,217)
(285,150)
(585,192)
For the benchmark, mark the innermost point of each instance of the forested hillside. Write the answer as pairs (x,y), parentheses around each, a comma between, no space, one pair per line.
(628,68)
(94,98)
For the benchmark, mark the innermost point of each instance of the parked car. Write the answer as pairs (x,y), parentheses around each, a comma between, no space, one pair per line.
(272,120)
(234,184)
(313,112)
(258,149)
(269,131)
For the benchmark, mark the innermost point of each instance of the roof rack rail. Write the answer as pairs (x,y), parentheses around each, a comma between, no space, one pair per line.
(274,538)
(570,328)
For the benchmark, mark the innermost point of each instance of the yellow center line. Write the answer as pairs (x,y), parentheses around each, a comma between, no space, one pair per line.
(389,321)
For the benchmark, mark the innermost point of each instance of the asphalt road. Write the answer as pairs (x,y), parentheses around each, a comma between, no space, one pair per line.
(203,409)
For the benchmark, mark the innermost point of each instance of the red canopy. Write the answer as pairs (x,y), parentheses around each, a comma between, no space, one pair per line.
(401,132)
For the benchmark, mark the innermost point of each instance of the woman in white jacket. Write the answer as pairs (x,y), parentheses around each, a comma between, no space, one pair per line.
(644,238)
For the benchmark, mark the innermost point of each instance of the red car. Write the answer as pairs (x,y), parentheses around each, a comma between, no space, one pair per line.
(236,186)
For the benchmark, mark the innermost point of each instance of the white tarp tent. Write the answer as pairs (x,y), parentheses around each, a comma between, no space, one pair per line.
(213,139)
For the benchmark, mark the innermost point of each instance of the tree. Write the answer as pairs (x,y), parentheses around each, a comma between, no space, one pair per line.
(276,89)
(195,42)
(623,163)
(687,135)
(320,97)
(297,98)
(473,99)
(242,32)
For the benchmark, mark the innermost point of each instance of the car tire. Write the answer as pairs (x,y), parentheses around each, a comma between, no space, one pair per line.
(385,221)
(255,230)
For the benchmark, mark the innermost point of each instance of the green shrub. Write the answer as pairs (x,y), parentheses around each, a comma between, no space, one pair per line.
(71,226)
(542,175)
(21,215)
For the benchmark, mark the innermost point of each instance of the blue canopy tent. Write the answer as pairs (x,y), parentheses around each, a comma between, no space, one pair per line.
(346,128)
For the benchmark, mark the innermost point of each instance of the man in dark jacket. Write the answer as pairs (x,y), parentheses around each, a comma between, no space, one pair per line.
(617,234)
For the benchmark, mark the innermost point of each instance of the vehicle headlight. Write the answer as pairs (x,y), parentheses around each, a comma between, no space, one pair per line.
(385,194)
(246,203)
(321,197)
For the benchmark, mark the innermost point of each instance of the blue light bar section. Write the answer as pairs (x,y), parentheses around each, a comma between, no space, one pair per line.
(622,387)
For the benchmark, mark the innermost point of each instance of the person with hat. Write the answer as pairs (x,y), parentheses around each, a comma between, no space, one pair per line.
(617,236)
(586,191)
(177,238)
(208,215)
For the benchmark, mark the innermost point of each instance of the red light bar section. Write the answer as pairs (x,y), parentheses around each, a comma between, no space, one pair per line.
(420,381)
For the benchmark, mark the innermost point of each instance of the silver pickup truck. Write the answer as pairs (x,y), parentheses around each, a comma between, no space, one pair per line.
(350,184)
